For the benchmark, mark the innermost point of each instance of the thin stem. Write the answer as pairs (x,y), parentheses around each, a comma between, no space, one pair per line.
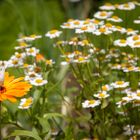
(89,72)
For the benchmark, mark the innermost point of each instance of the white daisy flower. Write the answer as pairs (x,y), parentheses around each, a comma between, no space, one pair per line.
(127,6)
(106,88)
(129,69)
(85,42)
(38,81)
(85,29)
(29,38)
(102,14)
(22,45)
(15,62)
(76,24)
(91,103)
(121,103)
(96,22)
(135,44)
(121,43)
(137,21)
(128,98)
(32,51)
(50,62)
(116,66)
(18,55)
(130,31)
(120,84)
(107,6)
(31,76)
(115,19)
(133,38)
(119,29)
(101,95)
(137,96)
(81,59)
(25,103)
(102,30)
(53,33)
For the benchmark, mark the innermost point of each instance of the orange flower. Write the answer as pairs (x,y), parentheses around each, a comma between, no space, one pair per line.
(39,57)
(13,88)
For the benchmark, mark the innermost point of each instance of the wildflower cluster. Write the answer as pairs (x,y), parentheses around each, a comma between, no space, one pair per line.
(100,88)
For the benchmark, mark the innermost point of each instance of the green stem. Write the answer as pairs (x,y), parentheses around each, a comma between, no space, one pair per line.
(89,72)
(43,100)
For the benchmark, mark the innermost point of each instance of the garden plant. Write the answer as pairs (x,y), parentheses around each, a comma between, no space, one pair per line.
(91,91)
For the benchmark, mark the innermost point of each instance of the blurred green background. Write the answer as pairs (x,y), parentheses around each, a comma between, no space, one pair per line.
(37,17)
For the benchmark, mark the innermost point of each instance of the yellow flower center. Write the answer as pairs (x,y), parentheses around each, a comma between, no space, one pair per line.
(115,17)
(102,30)
(77,52)
(104,88)
(131,68)
(119,27)
(81,59)
(75,39)
(14,62)
(76,23)
(22,44)
(136,37)
(129,30)
(18,55)
(49,62)
(96,21)
(67,60)
(27,103)
(84,28)
(33,36)
(91,102)
(116,5)
(53,31)
(123,41)
(108,25)
(120,82)
(25,65)
(137,43)
(101,95)
(38,81)
(85,42)
(138,94)
(31,50)
(86,22)
(67,24)
(126,5)
(70,20)
(103,14)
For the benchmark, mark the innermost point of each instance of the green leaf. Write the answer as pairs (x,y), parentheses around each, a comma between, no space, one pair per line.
(45,124)
(104,104)
(25,133)
(17,138)
(51,115)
